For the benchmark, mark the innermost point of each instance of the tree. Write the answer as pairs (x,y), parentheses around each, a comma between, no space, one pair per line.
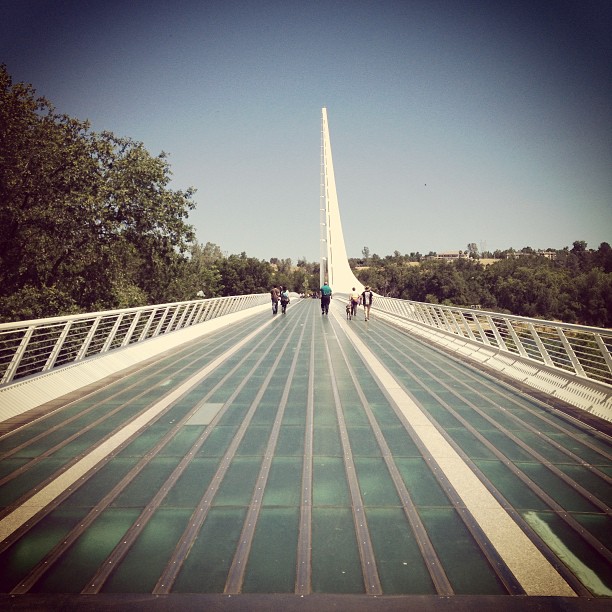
(88,219)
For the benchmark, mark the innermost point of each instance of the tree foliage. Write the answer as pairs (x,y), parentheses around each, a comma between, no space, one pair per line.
(88,219)
(576,287)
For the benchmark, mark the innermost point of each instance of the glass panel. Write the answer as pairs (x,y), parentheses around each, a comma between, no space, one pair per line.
(205,569)
(563,493)
(73,570)
(17,560)
(144,563)
(329,482)
(401,567)
(590,568)
(375,483)
(463,561)
(421,483)
(271,567)
(336,566)
(510,486)
(284,484)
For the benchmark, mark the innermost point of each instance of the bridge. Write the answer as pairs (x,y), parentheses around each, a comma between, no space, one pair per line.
(207,454)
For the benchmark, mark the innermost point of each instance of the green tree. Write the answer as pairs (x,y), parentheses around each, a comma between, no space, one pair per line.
(89,220)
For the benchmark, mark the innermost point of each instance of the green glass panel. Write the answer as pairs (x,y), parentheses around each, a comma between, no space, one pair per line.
(146,484)
(421,483)
(7,466)
(237,487)
(401,567)
(15,488)
(542,447)
(144,442)
(146,559)
(563,493)
(255,441)
(210,558)
(442,416)
(284,486)
(98,485)
(504,444)
(363,442)
(290,441)
(468,442)
(400,443)
(327,441)
(22,556)
(73,570)
(182,441)
(192,484)
(588,455)
(590,481)
(598,525)
(584,562)
(329,482)
(336,567)
(510,486)
(375,482)
(45,443)
(217,442)
(463,561)
(383,413)
(271,566)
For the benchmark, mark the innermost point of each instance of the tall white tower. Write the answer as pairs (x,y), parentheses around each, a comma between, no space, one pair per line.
(335,267)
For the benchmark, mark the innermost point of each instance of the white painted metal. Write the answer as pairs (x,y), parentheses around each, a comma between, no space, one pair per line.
(29,348)
(571,362)
(335,268)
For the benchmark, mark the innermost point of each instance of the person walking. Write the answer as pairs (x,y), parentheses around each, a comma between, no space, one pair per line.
(275,295)
(284,299)
(366,299)
(326,295)
(354,303)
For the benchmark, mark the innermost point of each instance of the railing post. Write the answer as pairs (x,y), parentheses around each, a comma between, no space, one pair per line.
(112,334)
(132,329)
(57,348)
(543,352)
(88,340)
(18,356)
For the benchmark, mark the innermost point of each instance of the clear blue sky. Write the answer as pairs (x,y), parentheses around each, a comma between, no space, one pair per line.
(451,121)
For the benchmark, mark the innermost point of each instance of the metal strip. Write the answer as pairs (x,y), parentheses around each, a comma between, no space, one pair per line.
(235,576)
(303,579)
(362,533)
(432,561)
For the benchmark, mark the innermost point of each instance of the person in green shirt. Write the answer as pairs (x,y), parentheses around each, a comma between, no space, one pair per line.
(326,294)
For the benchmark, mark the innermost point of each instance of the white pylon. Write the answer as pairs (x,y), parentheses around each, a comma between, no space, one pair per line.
(335,267)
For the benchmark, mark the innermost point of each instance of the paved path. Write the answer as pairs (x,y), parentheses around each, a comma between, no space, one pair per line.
(307,455)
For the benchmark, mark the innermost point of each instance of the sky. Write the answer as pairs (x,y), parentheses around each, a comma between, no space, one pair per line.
(451,122)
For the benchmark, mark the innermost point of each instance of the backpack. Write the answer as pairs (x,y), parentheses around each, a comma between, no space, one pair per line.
(285,296)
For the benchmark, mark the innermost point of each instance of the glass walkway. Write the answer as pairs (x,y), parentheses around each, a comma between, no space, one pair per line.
(303,461)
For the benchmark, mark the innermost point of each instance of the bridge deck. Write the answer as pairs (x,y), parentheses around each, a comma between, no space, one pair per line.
(306,456)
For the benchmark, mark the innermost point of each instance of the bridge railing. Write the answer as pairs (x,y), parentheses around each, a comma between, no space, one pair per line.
(37,346)
(580,350)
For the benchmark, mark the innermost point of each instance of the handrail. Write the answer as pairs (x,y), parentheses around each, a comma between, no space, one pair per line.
(40,345)
(577,349)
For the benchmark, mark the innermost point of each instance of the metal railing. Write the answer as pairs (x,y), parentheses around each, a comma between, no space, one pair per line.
(577,349)
(37,346)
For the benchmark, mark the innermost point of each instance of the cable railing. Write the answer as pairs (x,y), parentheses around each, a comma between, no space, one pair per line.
(577,349)
(38,346)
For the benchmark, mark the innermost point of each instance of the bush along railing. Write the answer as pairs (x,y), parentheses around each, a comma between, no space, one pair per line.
(580,350)
(34,347)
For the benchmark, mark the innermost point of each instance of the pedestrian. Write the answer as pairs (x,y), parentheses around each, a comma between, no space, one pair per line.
(354,302)
(366,299)
(275,295)
(326,295)
(284,299)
